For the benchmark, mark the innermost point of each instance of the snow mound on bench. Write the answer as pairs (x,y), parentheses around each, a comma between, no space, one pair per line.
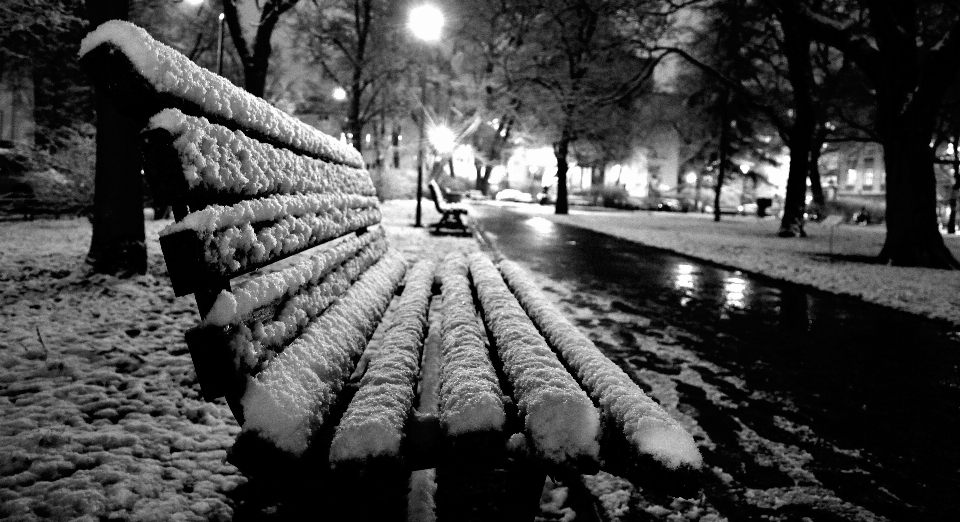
(169,71)
(291,399)
(373,424)
(558,416)
(647,426)
(254,293)
(218,159)
(270,209)
(470,396)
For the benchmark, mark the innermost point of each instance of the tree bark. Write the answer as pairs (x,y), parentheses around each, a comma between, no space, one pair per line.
(724,147)
(800,136)
(118,244)
(913,235)
(256,60)
(816,184)
(560,149)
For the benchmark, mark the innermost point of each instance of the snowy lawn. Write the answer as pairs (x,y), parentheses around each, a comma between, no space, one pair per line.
(750,244)
(100,412)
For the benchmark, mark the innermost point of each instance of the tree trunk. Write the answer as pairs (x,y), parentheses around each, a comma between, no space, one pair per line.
(800,135)
(118,245)
(955,189)
(791,225)
(816,183)
(354,125)
(913,235)
(560,149)
(724,146)
(255,76)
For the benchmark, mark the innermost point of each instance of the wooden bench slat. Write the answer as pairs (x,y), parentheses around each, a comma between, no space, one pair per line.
(560,420)
(222,353)
(373,425)
(195,261)
(646,429)
(197,163)
(287,402)
(471,400)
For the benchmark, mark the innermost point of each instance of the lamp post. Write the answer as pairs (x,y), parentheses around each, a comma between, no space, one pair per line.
(425,22)
(220,47)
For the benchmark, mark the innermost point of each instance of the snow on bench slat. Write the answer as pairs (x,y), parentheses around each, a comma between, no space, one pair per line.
(291,399)
(269,209)
(217,159)
(239,245)
(648,428)
(373,425)
(470,396)
(168,71)
(254,293)
(255,343)
(558,416)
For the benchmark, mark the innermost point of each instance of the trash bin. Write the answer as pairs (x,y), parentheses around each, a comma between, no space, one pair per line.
(762,205)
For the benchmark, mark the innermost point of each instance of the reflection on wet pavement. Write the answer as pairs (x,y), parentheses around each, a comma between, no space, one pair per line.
(806,406)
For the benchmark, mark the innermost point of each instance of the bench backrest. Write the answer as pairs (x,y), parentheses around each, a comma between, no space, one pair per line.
(249,185)
(436,193)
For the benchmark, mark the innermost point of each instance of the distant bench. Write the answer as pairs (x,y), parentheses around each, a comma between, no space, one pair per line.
(327,359)
(451,214)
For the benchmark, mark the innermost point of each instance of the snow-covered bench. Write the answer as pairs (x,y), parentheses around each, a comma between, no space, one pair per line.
(349,372)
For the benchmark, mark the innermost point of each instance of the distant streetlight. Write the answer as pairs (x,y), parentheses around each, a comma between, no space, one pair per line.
(220,47)
(442,139)
(426,23)
(691,178)
(339,94)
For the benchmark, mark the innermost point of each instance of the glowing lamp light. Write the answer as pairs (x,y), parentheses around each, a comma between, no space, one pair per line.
(744,168)
(339,94)
(193,3)
(690,178)
(425,22)
(442,139)
(220,17)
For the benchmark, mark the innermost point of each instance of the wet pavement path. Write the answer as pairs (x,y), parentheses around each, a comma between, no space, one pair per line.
(808,406)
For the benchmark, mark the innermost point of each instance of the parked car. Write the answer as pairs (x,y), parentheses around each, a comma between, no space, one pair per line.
(669,204)
(514,195)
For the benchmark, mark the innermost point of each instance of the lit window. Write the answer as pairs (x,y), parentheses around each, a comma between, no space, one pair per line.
(851,177)
(868,172)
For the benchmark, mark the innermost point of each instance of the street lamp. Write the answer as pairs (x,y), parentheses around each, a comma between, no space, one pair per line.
(425,22)
(339,94)
(442,139)
(220,47)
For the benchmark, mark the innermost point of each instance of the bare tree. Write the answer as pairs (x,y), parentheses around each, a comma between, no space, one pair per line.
(255,52)
(355,43)
(908,50)
(582,58)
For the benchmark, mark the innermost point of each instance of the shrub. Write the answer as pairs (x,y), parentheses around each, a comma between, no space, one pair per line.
(52,181)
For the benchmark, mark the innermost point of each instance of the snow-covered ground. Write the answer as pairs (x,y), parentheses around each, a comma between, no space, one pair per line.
(840,265)
(100,412)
